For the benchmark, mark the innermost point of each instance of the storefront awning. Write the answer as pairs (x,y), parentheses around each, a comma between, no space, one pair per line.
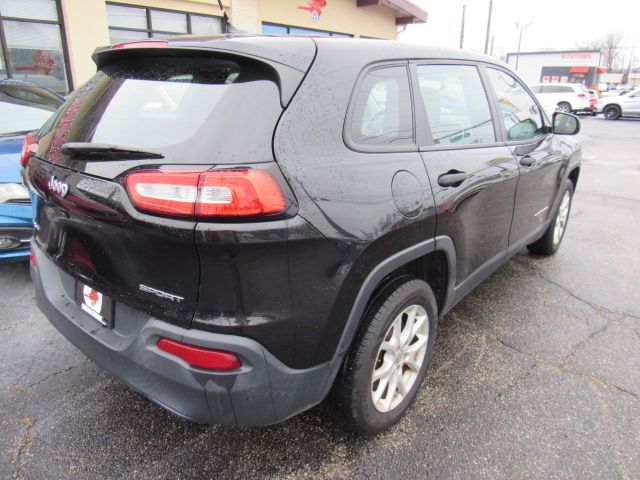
(406,11)
(579,70)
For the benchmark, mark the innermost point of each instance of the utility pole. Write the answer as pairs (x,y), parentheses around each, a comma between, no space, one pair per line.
(625,77)
(464,8)
(521,28)
(486,38)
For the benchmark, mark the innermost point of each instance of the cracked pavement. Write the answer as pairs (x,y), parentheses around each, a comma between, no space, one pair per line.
(536,374)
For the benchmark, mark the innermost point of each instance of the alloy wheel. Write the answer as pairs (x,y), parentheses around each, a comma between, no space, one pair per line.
(562,217)
(400,358)
(611,113)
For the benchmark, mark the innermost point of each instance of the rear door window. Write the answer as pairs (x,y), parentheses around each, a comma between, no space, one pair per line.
(521,116)
(381,113)
(456,105)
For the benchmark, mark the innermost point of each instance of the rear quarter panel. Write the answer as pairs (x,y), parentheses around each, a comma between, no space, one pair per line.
(345,194)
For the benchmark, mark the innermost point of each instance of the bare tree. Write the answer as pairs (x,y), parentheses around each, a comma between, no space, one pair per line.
(610,46)
(611,49)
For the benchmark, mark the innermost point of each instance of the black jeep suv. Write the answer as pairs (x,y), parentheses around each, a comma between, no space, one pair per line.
(240,227)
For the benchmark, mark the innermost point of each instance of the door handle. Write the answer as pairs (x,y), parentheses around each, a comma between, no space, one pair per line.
(527,161)
(452,178)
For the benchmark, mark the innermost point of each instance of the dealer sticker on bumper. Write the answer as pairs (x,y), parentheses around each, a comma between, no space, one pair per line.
(95,304)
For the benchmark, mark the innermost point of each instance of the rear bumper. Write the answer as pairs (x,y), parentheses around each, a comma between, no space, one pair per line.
(261,392)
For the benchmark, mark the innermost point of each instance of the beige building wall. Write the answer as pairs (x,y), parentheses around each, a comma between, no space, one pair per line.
(86,27)
(244,15)
(342,16)
(86,24)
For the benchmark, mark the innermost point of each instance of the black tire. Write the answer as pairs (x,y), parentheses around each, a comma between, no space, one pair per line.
(612,112)
(351,399)
(550,242)
(564,107)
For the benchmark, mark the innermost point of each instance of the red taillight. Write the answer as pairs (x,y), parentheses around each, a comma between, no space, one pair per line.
(29,146)
(218,193)
(143,44)
(237,193)
(171,193)
(582,95)
(33,259)
(199,356)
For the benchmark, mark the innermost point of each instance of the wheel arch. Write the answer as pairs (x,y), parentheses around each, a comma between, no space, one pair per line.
(617,105)
(432,261)
(573,176)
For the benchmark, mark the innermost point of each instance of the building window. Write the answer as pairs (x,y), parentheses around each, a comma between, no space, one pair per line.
(31,43)
(127,23)
(275,29)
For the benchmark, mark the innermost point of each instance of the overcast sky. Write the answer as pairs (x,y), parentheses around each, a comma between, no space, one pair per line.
(555,24)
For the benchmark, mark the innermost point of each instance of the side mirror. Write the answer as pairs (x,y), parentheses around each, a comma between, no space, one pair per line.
(565,123)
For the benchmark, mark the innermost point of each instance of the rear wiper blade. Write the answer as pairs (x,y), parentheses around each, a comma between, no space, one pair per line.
(105,151)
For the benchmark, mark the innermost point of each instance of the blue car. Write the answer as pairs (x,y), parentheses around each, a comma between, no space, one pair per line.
(24,107)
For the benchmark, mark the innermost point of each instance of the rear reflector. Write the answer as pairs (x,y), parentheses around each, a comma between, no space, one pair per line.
(29,146)
(217,193)
(33,259)
(582,95)
(199,356)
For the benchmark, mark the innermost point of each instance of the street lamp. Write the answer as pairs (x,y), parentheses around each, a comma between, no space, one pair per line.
(521,28)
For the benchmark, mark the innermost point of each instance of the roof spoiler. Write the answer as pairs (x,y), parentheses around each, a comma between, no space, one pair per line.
(288,67)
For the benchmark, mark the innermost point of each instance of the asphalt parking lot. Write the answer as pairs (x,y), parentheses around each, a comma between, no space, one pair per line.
(536,374)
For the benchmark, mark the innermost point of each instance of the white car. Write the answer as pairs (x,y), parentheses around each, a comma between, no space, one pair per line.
(625,105)
(567,97)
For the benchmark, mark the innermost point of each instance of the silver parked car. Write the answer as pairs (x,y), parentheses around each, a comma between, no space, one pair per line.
(625,105)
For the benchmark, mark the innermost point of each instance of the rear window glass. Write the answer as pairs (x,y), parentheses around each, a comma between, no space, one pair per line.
(193,110)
